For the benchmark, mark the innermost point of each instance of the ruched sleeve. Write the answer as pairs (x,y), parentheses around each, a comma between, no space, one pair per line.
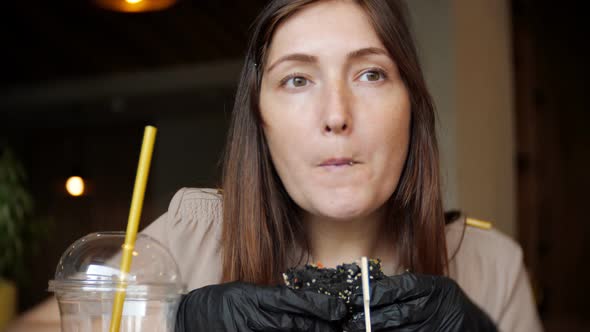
(191,230)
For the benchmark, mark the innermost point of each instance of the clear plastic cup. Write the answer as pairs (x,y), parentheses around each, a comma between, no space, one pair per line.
(88,276)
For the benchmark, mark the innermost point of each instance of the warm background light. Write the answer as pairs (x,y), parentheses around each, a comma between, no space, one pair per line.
(75,186)
(135,6)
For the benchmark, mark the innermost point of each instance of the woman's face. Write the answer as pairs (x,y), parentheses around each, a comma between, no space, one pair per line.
(336,112)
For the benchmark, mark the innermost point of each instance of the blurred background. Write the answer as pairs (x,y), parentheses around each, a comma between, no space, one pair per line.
(80,79)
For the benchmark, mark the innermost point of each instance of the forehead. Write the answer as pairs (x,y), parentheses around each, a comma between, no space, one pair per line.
(325,28)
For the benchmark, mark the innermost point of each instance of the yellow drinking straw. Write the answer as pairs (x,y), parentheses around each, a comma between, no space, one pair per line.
(143,169)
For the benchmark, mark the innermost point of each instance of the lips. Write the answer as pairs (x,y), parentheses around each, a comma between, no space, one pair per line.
(338,162)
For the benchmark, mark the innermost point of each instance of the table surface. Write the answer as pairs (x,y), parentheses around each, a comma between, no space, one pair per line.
(44,317)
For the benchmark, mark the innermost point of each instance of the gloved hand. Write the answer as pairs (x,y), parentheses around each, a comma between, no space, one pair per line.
(242,307)
(413,302)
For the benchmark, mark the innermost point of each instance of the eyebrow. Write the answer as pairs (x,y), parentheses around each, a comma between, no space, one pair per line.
(301,57)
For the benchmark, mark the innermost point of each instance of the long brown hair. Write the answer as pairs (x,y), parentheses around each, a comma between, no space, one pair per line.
(261,222)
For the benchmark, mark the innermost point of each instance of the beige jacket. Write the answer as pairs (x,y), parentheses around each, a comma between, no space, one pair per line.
(488,265)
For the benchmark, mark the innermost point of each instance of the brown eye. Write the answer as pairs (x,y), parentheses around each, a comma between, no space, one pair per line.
(294,81)
(299,81)
(372,76)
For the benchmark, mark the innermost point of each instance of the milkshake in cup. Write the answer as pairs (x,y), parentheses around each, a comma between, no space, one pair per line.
(88,277)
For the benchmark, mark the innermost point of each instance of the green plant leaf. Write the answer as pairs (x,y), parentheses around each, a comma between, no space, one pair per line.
(18,226)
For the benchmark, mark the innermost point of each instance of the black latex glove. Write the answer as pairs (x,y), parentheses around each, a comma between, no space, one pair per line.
(412,302)
(245,307)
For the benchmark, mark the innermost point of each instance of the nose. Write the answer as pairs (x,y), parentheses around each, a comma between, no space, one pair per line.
(337,118)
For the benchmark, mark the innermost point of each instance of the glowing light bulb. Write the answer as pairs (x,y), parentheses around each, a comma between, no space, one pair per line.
(75,186)
(135,6)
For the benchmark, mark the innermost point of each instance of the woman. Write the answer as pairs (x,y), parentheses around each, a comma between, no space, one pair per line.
(332,155)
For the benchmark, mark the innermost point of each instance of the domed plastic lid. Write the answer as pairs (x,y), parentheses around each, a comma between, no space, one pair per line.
(91,265)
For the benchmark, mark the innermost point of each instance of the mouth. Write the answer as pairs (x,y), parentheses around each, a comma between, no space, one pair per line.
(335,162)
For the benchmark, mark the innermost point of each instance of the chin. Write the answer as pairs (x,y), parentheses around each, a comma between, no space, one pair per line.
(344,208)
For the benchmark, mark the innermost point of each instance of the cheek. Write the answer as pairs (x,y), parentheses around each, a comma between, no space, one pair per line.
(395,137)
(289,122)
(281,128)
(283,153)
(386,121)
(286,129)
(387,134)
(288,151)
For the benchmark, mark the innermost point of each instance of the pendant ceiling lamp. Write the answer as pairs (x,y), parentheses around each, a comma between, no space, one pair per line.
(135,6)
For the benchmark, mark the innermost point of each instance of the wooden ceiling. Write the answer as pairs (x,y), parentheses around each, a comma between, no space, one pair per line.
(73,39)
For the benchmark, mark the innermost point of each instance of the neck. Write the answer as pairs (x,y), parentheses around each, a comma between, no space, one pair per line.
(333,242)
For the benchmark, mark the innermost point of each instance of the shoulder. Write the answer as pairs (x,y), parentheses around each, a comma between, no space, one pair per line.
(469,235)
(485,263)
(195,214)
(193,234)
(189,202)
(191,212)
